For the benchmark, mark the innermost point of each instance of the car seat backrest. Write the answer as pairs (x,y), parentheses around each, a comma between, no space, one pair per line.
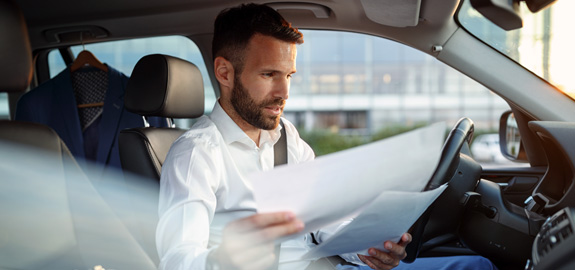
(164,86)
(44,193)
(15,77)
(15,52)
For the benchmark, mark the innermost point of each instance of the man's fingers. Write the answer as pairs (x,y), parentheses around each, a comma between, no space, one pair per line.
(365,260)
(383,257)
(279,230)
(379,259)
(376,263)
(258,221)
(271,233)
(405,239)
(398,249)
(263,228)
(395,250)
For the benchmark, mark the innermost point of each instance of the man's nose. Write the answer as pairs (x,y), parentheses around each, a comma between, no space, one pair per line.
(282,88)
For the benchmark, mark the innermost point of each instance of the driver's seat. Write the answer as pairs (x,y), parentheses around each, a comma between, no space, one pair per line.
(164,86)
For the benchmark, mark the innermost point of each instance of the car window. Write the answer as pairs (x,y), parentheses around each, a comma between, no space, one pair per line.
(4,110)
(543,45)
(352,89)
(123,56)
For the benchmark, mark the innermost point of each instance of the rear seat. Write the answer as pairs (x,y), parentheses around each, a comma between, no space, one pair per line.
(51,211)
(15,48)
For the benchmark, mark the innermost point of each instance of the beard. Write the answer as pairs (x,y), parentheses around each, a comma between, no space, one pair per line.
(252,112)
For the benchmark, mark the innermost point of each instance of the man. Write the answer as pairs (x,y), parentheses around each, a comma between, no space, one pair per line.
(208,213)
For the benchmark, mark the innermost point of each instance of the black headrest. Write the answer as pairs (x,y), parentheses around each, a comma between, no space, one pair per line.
(15,52)
(166,86)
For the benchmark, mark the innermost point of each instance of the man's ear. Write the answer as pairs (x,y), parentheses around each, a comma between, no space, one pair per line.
(224,72)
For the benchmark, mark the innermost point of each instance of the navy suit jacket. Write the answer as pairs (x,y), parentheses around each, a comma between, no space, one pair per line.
(53,103)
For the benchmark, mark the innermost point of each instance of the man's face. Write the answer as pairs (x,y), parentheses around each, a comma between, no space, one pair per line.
(252,111)
(260,91)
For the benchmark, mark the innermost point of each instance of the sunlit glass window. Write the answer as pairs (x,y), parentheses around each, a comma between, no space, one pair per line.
(543,45)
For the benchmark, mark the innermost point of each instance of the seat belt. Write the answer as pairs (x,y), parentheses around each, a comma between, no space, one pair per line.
(280,157)
(280,148)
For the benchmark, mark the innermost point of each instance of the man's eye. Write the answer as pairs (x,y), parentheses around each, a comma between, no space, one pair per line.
(268,74)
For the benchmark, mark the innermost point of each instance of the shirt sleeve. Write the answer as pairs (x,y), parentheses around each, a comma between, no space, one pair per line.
(329,231)
(187,203)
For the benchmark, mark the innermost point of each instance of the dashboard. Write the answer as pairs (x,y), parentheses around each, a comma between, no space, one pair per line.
(538,231)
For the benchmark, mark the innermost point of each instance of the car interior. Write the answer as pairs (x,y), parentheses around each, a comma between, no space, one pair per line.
(520,216)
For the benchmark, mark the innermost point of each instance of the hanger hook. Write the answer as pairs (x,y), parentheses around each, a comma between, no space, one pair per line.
(82,40)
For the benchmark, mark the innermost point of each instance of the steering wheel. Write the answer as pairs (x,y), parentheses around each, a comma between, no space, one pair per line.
(446,169)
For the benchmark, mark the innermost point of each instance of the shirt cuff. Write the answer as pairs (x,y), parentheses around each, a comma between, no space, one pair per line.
(352,258)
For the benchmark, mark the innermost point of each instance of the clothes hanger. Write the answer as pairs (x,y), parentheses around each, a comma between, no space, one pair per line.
(91,105)
(86,58)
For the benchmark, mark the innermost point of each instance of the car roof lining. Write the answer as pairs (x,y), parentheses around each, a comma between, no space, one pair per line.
(144,18)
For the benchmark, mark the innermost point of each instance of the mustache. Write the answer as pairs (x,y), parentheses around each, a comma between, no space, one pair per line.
(275,102)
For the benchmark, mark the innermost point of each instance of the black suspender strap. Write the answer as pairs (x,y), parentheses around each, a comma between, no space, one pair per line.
(280,148)
(280,157)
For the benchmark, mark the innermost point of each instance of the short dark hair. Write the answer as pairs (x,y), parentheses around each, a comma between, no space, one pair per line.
(234,27)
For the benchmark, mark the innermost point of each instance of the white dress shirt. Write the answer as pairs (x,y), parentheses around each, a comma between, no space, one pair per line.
(204,186)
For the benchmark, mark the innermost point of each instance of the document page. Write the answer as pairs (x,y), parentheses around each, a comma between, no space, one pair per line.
(386,218)
(339,186)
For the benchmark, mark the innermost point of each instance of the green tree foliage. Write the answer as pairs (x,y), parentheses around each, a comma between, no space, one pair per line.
(325,142)
(394,129)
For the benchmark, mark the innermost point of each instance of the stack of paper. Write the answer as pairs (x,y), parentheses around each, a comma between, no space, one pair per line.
(380,185)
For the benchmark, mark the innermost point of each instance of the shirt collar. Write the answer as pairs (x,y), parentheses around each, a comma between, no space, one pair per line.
(231,132)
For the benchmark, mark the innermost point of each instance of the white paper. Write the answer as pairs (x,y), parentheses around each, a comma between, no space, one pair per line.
(338,186)
(387,218)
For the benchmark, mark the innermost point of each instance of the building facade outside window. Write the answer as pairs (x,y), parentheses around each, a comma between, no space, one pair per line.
(356,87)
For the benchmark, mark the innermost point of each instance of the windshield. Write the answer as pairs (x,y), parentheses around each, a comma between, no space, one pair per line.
(543,45)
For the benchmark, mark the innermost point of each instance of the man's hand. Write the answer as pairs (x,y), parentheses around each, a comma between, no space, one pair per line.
(248,243)
(381,260)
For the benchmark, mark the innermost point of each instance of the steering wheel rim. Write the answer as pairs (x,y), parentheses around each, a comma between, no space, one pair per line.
(448,162)
(462,132)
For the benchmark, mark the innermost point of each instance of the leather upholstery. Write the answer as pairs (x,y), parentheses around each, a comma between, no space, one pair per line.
(15,52)
(143,150)
(164,86)
(15,76)
(33,135)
